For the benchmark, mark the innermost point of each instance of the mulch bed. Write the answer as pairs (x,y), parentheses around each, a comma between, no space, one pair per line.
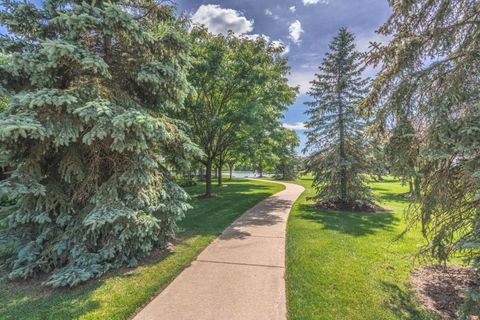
(440,289)
(355,207)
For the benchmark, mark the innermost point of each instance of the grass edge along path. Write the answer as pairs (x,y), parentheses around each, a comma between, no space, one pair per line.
(120,295)
(345,265)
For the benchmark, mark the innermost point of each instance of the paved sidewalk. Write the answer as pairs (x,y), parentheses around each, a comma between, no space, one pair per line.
(238,276)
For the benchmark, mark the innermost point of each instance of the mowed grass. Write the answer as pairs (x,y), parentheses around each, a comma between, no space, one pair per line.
(120,295)
(345,265)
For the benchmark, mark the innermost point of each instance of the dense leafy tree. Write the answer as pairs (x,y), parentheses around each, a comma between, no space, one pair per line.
(335,131)
(287,166)
(238,83)
(261,153)
(430,71)
(87,132)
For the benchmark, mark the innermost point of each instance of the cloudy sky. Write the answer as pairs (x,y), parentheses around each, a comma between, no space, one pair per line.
(305,27)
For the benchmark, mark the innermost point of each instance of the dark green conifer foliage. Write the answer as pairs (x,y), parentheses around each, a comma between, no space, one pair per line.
(402,153)
(87,132)
(430,71)
(335,131)
(430,74)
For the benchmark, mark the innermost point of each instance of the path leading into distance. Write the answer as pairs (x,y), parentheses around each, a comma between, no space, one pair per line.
(240,275)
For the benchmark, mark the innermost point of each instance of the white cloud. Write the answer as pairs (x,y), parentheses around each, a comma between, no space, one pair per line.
(221,20)
(302,79)
(269,13)
(363,40)
(295,31)
(292,9)
(278,43)
(307,2)
(256,36)
(294,126)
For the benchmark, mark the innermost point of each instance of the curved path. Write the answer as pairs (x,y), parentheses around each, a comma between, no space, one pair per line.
(240,275)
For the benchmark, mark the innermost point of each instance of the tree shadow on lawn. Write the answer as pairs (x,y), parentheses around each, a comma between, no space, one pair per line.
(385,195)
(239,186)
(353,223)
(30,300)
(403,304)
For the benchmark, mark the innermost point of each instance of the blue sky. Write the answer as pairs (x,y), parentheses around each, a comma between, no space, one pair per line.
(305,27)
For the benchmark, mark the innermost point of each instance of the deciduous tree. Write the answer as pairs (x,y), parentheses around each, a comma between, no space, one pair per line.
(238,83)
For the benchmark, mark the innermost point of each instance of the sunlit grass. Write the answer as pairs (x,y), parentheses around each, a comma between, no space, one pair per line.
(346,265)
(118,296)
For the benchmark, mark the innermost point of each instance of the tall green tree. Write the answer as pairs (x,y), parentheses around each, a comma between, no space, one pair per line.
(334,129)
(239,84)
(88,134)
(430,71)
(287,166)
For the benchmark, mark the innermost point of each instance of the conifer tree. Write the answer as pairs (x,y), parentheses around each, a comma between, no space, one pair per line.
(334,130)
(402,153)
(88,135)
(430,72)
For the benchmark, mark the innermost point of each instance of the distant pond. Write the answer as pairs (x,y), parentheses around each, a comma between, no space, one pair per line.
(245,174)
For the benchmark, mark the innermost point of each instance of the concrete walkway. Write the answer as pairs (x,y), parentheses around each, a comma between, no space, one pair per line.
(238,276)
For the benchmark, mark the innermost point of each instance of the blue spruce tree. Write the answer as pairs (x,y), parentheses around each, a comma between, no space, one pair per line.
(87,136)
(334,129)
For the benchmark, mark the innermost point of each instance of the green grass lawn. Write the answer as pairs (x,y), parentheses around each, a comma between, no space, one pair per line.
(344,265)
(119,295)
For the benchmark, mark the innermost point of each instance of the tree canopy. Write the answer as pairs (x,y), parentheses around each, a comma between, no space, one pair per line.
(240,88)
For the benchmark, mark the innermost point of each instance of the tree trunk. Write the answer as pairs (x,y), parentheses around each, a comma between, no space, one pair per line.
(208,178)
(231,172)
(410,186)
(416,189)
(343,171)
(220,180)
(260,171)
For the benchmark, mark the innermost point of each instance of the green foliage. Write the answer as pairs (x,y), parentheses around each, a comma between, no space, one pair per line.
(335,131)
(88,133)
(241,90)
(431,74)
(288,164)
(402,153)
(442,97)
